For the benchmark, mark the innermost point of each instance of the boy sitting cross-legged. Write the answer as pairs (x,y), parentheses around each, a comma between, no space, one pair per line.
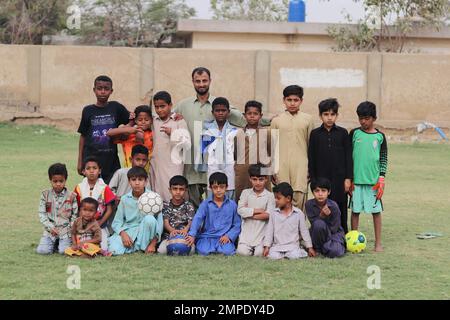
(220,220)
(134,231)
(177,212)
(323,213)
(254,207)
(286,227)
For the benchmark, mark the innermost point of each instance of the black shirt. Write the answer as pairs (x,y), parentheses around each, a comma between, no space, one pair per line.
(330,156)
(95,122)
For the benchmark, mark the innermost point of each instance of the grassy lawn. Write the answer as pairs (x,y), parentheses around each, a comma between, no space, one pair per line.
(416,200)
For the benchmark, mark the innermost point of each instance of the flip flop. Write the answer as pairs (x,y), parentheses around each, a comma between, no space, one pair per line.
(428,235)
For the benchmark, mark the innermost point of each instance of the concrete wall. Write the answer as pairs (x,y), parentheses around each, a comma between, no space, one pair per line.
(53,83)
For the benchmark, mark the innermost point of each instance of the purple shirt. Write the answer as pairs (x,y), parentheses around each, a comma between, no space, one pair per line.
(333,221)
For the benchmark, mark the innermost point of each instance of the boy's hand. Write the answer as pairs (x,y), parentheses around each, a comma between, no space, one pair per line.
(379,187)
(183,232)
(325,211)
(80,168)
(224,239)
(311,252)
(347,185)
(173,233)
(177,117)
(351,189)
(166,130)
(275,179)
(54,232)
(132,116)
(126,240)
(190,240)
(266,251)
(76,247)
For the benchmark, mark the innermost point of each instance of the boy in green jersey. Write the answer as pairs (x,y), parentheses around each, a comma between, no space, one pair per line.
(369,149)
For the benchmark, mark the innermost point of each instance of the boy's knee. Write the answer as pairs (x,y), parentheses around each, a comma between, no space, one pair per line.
(44,249)
(243,251)
(150,220)
(319,224)
(228,249)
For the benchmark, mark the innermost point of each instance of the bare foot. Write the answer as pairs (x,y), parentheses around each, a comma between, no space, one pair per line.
(150,250)
(378,248)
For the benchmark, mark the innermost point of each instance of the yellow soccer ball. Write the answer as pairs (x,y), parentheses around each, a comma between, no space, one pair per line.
(356,241)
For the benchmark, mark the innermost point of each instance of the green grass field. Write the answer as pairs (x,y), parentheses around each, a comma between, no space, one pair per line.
(416,200)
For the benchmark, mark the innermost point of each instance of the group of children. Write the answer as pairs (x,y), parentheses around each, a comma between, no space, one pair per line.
(241,213)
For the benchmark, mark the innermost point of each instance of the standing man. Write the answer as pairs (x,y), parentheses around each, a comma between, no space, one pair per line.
(198,109)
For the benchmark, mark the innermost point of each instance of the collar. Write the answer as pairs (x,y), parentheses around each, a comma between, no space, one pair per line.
(210,99)
(61,194)
(264,193)
(315,204)
(294,210)
(211,199)
(332,128)
(171,116)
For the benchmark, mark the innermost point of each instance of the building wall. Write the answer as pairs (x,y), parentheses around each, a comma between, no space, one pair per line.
(54,83)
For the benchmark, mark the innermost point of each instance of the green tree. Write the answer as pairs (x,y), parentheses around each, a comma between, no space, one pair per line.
(26,21)
(260,10)
(135,23)
(387,24)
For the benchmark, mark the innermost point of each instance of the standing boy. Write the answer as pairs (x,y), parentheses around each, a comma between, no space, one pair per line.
(252,145)
(133,230)
(58,209)
(170,141)
(294,130)
(254,207)
(323,214)
(286,228)
(216,224)
(370,159)
(96,120)
(218,143)
(139,134)
(330,156)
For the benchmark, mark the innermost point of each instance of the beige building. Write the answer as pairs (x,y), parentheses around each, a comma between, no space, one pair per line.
(289,36)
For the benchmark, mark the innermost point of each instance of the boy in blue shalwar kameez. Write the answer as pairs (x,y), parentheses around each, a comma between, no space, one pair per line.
(216,225)
(134,231)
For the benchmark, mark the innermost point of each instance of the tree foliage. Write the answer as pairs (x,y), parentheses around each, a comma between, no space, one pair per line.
(136,23)
(26,21)
(259,10)
(388,22)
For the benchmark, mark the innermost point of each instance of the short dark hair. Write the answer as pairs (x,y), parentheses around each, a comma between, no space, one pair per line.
(330,104)
(256,170)
(285,189)
(137,172)
(89,200)
(139,149)
(221,101)
(322,183)
(143,108)
(367,109)
(293,90)
(178,181)
(57,169)
(91,159)
(103,78)
(218,178)
(200,70)
(163,95)
(253,104)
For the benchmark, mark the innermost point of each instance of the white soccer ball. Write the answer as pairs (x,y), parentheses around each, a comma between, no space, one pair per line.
(150,203)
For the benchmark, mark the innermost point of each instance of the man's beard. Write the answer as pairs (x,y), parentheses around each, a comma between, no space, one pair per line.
(202,91)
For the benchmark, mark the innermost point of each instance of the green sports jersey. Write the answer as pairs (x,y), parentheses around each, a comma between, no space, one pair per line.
(369,156)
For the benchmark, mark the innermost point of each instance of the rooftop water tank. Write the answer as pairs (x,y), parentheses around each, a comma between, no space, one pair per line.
(296,11)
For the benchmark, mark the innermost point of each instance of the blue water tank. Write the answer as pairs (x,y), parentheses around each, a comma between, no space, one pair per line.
(296,11)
